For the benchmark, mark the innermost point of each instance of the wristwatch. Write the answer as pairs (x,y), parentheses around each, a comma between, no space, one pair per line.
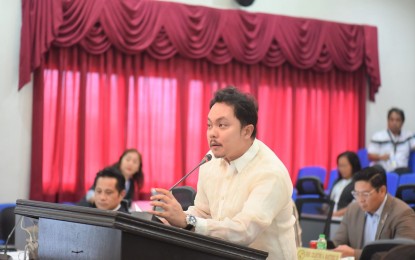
(191,222)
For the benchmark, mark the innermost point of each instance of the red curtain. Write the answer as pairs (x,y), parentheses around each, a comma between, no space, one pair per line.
(89,108)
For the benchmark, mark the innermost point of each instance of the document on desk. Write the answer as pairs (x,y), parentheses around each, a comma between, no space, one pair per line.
(135,207)
(143,205)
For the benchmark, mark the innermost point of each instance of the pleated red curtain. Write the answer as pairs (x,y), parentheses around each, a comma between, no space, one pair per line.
(95,106)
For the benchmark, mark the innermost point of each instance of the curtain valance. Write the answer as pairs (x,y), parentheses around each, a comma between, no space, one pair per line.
(165,29)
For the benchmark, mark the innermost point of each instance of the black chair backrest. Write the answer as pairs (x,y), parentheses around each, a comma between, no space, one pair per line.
(401,252)
(406,193)
(7,222)
(185,195)
(310,186)
(382,245)
(316,212)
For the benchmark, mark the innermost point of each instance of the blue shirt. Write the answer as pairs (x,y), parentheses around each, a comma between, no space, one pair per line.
(372,223)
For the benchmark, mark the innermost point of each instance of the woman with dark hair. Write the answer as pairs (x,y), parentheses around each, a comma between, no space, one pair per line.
(347,165)
(130,165)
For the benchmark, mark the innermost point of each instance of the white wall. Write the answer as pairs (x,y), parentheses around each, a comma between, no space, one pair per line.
(15,109)
(394,19)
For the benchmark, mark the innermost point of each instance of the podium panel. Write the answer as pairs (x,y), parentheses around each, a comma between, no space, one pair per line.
(73,232)
(68,240)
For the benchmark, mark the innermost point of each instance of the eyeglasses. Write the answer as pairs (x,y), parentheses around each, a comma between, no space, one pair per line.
(364,194)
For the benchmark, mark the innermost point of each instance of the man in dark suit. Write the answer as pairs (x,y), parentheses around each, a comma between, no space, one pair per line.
(375,215)
(109,191)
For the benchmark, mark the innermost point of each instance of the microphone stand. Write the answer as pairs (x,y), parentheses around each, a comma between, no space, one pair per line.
(207,158)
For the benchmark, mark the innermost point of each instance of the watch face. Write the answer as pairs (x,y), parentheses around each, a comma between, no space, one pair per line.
(191,220)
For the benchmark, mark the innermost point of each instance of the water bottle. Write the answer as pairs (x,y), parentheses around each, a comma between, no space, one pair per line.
(322,242)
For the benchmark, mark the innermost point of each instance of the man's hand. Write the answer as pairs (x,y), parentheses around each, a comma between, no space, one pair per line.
(345,250)
(384,157)
(172,210)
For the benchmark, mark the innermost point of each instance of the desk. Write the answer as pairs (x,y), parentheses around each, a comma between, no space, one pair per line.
(313,225)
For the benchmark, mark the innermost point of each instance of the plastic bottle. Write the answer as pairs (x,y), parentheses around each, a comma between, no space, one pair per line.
(322,242)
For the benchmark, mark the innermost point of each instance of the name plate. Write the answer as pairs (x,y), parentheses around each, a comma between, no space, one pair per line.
(315,254)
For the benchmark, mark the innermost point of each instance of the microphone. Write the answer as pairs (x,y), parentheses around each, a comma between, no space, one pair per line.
(205,159)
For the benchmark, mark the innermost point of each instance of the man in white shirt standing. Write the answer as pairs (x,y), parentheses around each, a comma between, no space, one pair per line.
(244,192)
(390,148)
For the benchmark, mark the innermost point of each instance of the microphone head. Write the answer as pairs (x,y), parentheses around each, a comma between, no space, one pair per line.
(205,159)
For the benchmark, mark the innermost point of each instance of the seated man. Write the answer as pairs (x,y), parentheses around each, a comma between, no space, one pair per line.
(109,191)
(390,148)
(375,215)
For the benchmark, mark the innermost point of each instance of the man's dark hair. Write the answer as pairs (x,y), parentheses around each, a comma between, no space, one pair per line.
(397,111)
(112,172)
(353,160)
(376,176)
(244,106)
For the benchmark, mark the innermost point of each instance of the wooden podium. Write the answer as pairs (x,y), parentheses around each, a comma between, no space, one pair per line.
(73,232)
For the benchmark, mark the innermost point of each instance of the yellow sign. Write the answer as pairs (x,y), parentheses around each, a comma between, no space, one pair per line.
(315,254)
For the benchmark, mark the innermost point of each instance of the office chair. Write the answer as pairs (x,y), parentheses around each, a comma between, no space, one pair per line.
(411,163)
(314,215)
(363,157)
(392,180)
(313,171)
(7,222)
(407,179)
(185,195)
(402,252)
(382,245)
(310,186)
(407,194)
